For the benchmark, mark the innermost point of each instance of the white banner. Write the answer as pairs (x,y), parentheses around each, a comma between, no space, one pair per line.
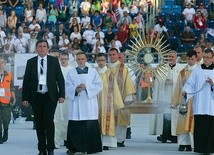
(19,67)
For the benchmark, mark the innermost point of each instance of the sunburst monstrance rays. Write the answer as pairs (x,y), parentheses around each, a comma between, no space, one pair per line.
(148,46)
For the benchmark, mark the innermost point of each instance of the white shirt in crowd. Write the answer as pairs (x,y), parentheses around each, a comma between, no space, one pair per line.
(189,13)
(88,35)
(85,21)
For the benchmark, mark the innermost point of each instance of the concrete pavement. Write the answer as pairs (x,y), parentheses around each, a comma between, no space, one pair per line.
(22,141)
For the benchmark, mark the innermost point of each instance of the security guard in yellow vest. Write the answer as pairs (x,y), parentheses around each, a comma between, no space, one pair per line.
(6,96)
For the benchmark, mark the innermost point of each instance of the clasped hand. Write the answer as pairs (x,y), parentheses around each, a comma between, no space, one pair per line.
(210,81)
(80,88)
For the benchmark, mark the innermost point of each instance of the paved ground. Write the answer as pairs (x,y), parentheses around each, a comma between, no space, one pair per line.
(22,141)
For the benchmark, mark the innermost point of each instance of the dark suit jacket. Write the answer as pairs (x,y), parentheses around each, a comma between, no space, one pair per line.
(55,80)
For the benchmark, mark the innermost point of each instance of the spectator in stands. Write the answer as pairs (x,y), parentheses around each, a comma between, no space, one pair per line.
(13,3)
(22,26)
(97,20)
(118,44)
(50,42)
(28,14)
(123,9)
(200,21)
(133,28)
(160,28)
(75,34)
(189,13)
(2,39)
(98,48)
(99,30)
(63,42)
(109,36)
(8,46)
(62,8)
(140,21)
(75,15)
(32,43)
(108,20)
(20,44)
(134,9)
(85,7)
(187,37)
(41,15)
(125,16)
(73,5)
(152,34)
(88,34)
(203,10)
(49,33)
(114,45)
(85,47)
(96,6)
(105,6)
(25,33)
(85,22)
(202,41)
(52,13)
(125,26)
(33,25)
(76,44)
(122,35)
(209,45)
(3,19)
(13,34)
(97,38)
(58,33)
(70,49)
(12,20)
(73,24)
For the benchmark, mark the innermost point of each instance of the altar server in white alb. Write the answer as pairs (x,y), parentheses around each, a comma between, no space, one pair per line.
(61,113)
(83,84)
(166,124)
(200,86)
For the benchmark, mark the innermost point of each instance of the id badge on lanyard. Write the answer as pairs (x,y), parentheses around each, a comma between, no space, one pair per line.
(2,90)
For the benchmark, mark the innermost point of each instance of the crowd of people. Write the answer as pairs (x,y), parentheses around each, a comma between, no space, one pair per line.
(76,104)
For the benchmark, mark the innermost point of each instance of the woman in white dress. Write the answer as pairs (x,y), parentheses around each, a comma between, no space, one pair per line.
(29,13)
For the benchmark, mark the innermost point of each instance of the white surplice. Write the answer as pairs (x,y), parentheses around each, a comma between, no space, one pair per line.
(61,116)
(162,94)
(203,100)
(84,106)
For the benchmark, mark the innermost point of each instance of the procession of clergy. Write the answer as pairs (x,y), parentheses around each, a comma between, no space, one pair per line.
(95,98)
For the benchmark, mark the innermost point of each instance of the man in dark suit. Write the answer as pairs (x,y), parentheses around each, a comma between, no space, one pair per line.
(43,86)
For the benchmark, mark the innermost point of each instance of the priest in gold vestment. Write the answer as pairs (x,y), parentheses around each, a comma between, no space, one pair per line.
(185,124)
(110,101)
(127,90)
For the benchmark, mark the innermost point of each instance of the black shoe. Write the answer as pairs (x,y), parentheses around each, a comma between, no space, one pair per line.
(105,148)
(1,142)
(42,153)
(181,148)
(188,148)
(65,142)
(69,152)
(161,139)
(128,133)
(50,153)
(173,139)
(5,136)
(120,144)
